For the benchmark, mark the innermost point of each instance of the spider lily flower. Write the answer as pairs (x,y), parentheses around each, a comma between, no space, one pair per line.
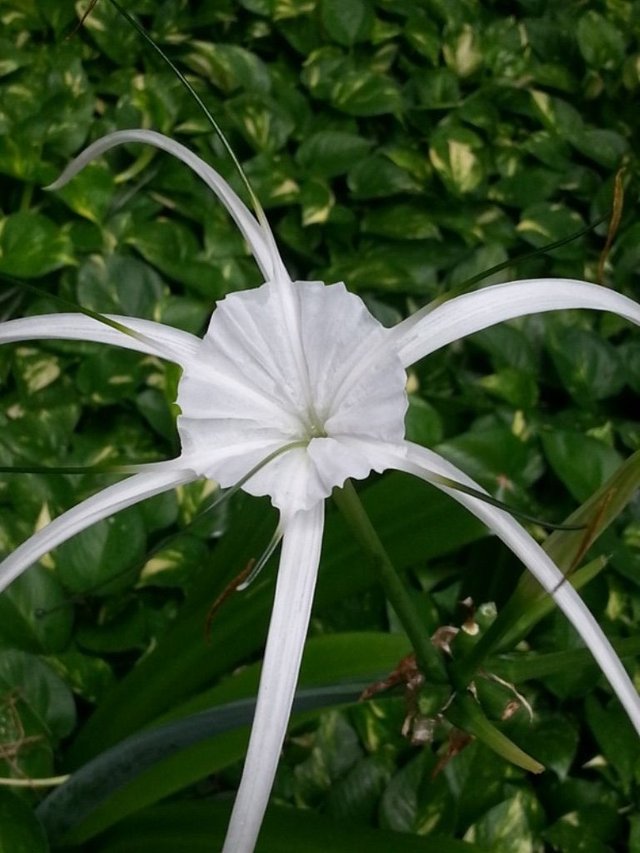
(294,388)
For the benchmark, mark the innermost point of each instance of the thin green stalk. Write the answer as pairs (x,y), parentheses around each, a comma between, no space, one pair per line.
(354,513)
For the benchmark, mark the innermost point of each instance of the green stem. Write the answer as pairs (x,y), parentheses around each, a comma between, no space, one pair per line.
(354,513)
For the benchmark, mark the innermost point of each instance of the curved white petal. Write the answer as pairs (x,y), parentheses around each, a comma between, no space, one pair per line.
(430,329)
(258,236)
(156,338)
(425,464)
(287,632)
(105,503)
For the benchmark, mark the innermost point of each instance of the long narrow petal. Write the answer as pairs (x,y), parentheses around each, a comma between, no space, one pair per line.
(258,236)
(428,330)
(287,632)
(105,503)
(170,343)
(425,464)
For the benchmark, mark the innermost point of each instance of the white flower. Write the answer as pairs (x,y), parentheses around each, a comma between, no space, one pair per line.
(294,388)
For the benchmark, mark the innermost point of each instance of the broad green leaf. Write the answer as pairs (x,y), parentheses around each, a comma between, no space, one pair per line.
(90,193)
(582,463)
(552,738)
(263,121)
(605,147)
(422,34)
(109,376)
(196,827)
(31,245)
(589,367)
(502,463)
(422,422)
(436,89)
(40,693)
(317,201)
(228,66)
(600,42)
(329,153)
(401,221)
(35,614)
(462,50)
(173,249)
(511,826)
(20,831)
(516,387)
(366,93)
(96,560)
(455,153)
(119,284)
(613,733)
(378,176)
(544,223)
(346,21)
(416,800)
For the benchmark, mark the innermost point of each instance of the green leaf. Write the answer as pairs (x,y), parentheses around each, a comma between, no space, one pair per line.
(119,284)
(600,42)
(545,223)
(516,387)
(436,89)
(20,831)
(35,614)
(366,93)
(329,153)
(614,734)
(97,559)
(263,121)
(174,250)
(589,367)
(378,176)
(317,201)
(455,155)
(462,50)
(497,459)
(32,245)
(346,21)
(422,34)
(197,827)
(552,738)
(416,800)
(422,422)
(110,376)
(228,66)
(582,463)
(90,193)
(41,692)
(511,826)
(630,356)
(605,147)
(401,221)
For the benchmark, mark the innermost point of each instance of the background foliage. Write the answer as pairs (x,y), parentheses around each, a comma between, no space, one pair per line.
(402,146)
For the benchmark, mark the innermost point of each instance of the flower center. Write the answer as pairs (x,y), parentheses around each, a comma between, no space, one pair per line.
(322,372)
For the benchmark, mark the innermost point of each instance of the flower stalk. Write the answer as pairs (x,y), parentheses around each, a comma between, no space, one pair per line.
(355,515)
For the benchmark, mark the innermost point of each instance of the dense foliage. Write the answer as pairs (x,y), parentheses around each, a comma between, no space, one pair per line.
(402,146)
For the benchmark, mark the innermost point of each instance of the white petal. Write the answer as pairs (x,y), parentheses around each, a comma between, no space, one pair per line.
(428,330)
(252,389)
(425,464)
(287,632)
(105,503)
(258,236)
(158,339)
